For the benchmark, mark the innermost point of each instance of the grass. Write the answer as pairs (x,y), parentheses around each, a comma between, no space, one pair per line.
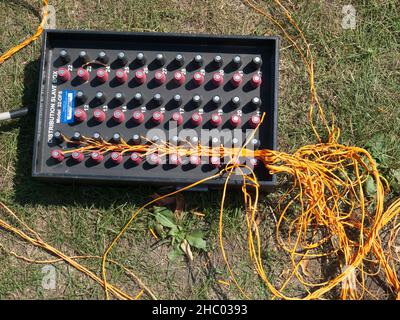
(358,78)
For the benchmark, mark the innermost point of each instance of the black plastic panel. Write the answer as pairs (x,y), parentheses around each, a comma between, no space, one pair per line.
(49,107)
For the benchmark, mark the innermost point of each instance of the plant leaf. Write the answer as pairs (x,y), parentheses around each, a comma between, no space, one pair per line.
(195,239)
(165,217)
(370,187)
(395,180)
(174,254)
(173,232)
(159,230)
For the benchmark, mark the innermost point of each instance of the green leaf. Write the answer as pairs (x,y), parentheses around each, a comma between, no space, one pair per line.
(165,217)
(174,254)
(370,187)
(395,180)
(159,229)
(195,239)
(379,146)
(173,232)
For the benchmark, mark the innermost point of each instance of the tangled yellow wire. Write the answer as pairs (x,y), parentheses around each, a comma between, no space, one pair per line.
(325,213)
(8,54)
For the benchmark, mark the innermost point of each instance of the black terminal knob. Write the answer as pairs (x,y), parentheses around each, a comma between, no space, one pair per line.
(235,101)
(136,139)
(77,136)
(100,97)
(138,98)
(141,59)
(198,60)
(116,138)
(119,98)
(58,137)
(84,57)
(237,61)
(177,100)
(160,59)
(218,61)
(214,141)
(236,142)
(216,100)
(256,102)
(197,100)
(64,56)
(102,57)
(122,58)
(255,143)
(179,60)
(256,62)
(175,140)
(80,97)
(155,139)
(96,136)
(158,99)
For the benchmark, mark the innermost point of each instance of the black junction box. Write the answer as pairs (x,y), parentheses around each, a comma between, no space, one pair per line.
(147,64)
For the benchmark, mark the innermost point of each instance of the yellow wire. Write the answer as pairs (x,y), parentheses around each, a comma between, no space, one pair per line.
(9,53)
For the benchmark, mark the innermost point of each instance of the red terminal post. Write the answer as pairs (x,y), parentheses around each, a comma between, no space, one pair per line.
(179,78)
(140,76)
(121,76)
(138,116)
(256,80)
(175,159)
(196,119)
(102,75)
(198,78)
(77,156)
(118,116)
(96,157)
(254,121)
(217,79)
(82,75)
(160,77)
(215,161)
(80,115)
(194,160)
(157,117)
(216,120)
(176,116)
(136,158)
(235,120)
(237,79)
(63,74)
(99,115)
(57,155)
(116,157)
(154,159)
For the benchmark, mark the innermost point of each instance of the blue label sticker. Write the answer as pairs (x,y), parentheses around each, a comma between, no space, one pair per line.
(68,106)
